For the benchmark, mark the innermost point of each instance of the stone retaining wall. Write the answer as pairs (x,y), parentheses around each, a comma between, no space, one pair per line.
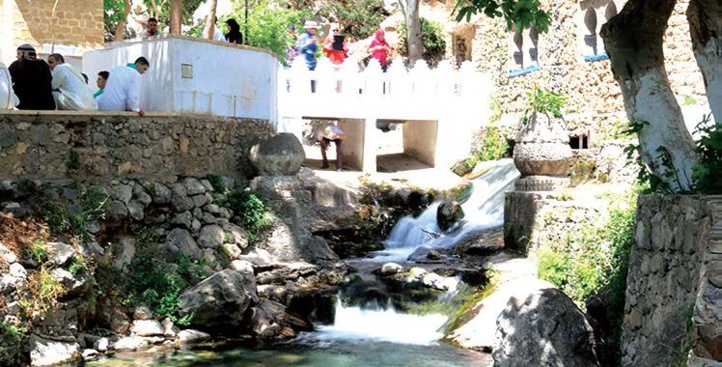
(97,146)
(663,280)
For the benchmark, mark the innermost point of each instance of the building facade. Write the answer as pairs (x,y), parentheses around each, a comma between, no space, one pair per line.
(76,27)
(570,59)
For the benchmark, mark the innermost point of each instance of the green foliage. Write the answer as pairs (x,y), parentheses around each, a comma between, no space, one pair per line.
(12,339)
(432,39)
(71,218)
(358,19)
(522,13)
(705,174)
(250,208)
(114,11)
(267,26)
(493,146)
(593,259)
(544,101)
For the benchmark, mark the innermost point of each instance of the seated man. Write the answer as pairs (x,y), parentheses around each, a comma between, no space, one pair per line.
(69,89)
(102,79)
(122,92)
(31,80)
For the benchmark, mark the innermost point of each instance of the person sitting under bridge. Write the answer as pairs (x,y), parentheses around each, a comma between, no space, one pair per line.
(122,91)
(69,86)
(31,80)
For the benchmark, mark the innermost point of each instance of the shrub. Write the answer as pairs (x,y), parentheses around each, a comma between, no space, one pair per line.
(493,145)
(358,19)
(250,208)
(709,149)
(432,39)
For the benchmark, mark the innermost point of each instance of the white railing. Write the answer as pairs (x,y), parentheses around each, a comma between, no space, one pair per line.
(419,93)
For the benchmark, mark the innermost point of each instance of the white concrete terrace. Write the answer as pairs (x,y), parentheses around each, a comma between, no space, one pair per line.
(439,108)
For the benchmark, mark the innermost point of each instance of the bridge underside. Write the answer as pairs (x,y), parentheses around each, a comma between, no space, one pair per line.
(422,140)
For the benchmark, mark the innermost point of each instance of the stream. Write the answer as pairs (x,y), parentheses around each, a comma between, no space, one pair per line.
(372,332)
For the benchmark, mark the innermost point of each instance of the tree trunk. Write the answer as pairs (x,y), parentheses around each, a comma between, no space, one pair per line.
(211,20)
(413,29)
(633,40)
(176,15)
(120,28)
(705,26)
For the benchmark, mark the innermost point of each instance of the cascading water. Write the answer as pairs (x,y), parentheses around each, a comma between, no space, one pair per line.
(484,209)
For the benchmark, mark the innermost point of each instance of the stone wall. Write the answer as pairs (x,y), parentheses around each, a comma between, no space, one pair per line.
(594,98)
(77,23)
(97,146)
(664,277)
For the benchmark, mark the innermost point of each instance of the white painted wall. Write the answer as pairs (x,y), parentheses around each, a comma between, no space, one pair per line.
(226,80)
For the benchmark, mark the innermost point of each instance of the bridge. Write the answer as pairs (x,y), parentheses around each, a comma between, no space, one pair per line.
(439,108)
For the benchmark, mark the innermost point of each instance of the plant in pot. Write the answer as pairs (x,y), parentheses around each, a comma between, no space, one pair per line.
(542,153)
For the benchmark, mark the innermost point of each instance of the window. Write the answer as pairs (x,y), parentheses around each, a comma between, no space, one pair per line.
(524,51)
(596,13)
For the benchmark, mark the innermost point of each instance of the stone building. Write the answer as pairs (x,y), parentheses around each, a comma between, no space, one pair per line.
(570,58)
(76,27)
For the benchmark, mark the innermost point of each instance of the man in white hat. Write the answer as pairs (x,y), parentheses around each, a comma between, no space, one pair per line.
(307,45)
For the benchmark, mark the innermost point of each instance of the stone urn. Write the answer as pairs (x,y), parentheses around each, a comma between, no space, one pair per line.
(542,154)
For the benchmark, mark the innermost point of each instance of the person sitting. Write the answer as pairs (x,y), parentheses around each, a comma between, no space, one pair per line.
(152,29)
(122,91)
(31,80)
(234,34)
(102,79)
(69,88)
(330,133)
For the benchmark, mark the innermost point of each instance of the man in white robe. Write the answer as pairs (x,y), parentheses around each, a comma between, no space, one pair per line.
(70,90)
(122,90)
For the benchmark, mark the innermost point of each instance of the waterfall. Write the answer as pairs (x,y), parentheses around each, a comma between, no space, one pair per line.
(484,209)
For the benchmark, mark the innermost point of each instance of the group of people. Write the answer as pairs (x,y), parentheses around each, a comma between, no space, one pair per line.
(59,85)
(233,35)
(334,45)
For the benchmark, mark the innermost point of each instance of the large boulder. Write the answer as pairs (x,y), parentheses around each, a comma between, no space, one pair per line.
(45,352)
(219,302)
(278,155)
(448,213)
(543,328)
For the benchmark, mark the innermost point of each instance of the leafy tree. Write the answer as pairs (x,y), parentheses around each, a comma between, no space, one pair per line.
(432,39)
(358,19)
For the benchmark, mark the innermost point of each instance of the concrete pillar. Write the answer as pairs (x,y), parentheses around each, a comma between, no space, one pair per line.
(359,147)
(420,140)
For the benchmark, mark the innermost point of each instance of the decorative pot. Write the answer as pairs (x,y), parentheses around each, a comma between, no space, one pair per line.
(542,149)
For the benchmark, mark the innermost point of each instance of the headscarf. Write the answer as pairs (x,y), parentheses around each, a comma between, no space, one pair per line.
(379,40)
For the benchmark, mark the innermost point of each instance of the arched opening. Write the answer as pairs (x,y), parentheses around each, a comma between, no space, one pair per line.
(590,38)
(534,48)
(610,11)
(518,50)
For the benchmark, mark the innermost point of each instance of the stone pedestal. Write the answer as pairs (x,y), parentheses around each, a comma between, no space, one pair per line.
(542,155)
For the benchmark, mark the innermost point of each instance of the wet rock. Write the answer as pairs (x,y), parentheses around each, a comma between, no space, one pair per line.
(59,253)
(142,313)
(190,336)
(45,352)
(278,155)
(211,236)
(271,321)
(391,268)
(147,328)
(218,302)
(130,343)
(448,214)
(182,240)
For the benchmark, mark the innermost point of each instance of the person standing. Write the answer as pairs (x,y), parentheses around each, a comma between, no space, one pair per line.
(234,34)
(31,80)
(292,49)
(380,49)
(335,46)
(330,133)
(102,80)
(122,92)
(307,45)
(69,87)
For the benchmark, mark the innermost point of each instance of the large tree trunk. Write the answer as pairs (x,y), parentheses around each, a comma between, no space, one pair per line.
(633,40)
(705,25)
(120,28)
(410,8)
(176,15)
(211,20)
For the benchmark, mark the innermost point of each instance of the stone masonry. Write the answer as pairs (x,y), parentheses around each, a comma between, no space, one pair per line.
(594,103)
(101,147)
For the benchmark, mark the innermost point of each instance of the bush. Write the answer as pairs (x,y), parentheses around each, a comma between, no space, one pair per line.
(709,150)
(493,145)
(432,39)
(250,208)
(358,19)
